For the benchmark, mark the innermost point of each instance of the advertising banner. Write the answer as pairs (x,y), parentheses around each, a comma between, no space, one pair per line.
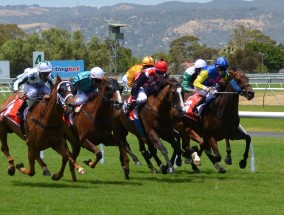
(67,68)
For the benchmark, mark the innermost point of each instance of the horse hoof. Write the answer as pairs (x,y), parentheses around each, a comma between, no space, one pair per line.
(243,164)
(81,171)
(170,170)
(178,162)
(126,173)
(11,171)
(228,161)
(221,170)
(87,162)
(163,169)
(46,173)
(19,166)
(55,177)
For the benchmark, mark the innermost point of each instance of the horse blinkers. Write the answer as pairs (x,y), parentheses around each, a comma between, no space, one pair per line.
(113,88)
(241,85)
(65,96)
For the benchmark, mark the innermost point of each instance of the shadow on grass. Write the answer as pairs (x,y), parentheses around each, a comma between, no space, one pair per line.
(80,184)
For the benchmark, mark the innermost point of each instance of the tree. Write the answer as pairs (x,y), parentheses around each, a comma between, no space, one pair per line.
(255,48)
(98,54)
(10,32)
(16,52)
(188,48)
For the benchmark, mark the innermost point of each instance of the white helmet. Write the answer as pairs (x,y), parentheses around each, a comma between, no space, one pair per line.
(200,63)
(97,72)
(44,66)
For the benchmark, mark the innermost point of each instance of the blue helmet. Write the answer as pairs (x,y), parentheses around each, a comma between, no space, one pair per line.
(222,62)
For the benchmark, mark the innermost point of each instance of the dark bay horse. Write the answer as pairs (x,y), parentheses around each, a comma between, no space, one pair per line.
(44,128)
(92,125)
(156,123)
(220,119)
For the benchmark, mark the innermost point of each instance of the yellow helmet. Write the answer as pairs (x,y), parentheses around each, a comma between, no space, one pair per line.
(148,61)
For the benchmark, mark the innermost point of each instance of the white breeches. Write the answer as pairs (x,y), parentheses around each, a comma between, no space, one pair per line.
(142,97)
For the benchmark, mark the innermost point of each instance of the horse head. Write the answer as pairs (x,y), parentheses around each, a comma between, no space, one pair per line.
(65,96)
(175,96)
(113,94)
(240,83)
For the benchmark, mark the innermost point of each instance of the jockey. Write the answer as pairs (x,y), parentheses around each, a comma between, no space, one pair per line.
(87,84)
(34,81)
(146,81)
(190,75)
(131,73)
(209,76)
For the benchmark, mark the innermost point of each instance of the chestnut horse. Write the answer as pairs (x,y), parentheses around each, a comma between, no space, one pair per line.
(220,119)
(156,123)
(44,129)
(92,125)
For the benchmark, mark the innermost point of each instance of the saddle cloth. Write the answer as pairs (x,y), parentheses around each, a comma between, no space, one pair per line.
(190,104)
(12,110)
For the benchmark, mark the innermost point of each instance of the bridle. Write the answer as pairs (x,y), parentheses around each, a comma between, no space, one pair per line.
(61,99)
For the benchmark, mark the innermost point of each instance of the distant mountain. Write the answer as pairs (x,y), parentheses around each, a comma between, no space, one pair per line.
(151,28)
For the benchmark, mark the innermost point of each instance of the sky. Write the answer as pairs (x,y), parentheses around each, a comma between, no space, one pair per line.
(93,3)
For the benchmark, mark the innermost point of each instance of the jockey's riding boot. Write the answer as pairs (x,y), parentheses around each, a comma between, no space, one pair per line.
(198,109)
(130,107)
(20,112)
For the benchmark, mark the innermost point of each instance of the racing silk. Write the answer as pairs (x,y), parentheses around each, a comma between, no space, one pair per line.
(132,72)
(31,76)
(148,79)
(208,77)
(188,78)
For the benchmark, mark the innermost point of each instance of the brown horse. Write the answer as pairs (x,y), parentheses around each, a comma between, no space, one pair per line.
(44,129)
(155,123)
(92,125)
(220,119)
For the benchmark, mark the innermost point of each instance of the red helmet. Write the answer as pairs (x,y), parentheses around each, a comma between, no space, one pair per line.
(161,65)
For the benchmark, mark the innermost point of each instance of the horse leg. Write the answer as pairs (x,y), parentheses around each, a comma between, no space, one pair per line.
(147,156)
(124,160)
(5,149)
(228,159)
(154,138)
(32,154)
(96,150)
(43,165)
(214,146)
(175,143)
(63,150)
(132,155)
(76,148)
(243,163)
(206,148)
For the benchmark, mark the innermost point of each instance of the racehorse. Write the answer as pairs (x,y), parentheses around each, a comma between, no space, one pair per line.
(92,125)
(154,123)
(220,119)
(44,128)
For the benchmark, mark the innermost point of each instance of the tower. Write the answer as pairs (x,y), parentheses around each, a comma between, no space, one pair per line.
(115,41)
